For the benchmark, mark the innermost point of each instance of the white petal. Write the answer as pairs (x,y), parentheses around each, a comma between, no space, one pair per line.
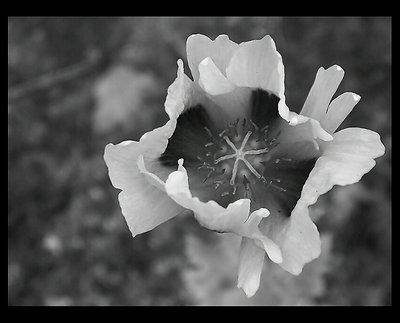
(209,214)
(199,47)
(179,93)
(338,111)
(143,204)
(234,101)
(122,159)
(143,200)
(151,178)
(344,161)
(302,129)
(183,94)
(262,241)
(297,237)
(250,266)
(321,93)
(146,209)
(212,80)
(257,64)
(271,248)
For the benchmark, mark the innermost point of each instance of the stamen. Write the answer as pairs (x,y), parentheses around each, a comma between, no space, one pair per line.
(251,137)
(208,176)
(278,187)
(211,136)
(218,184)
(254,125)
(233,126)
(209,132)
(222,133)
(248,188)
(244,124)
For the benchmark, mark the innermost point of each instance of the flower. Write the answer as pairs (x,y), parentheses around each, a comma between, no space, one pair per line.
(234,154)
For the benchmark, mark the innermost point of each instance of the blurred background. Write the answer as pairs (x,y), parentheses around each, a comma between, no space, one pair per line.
(76,84)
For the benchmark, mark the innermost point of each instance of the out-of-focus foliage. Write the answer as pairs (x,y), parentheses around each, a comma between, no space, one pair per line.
(212,281)
(76,84)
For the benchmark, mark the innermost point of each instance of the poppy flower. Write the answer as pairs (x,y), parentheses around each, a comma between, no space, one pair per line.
(234,154)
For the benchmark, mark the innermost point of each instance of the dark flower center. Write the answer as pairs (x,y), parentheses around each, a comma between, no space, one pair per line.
(236,156)
(243,160)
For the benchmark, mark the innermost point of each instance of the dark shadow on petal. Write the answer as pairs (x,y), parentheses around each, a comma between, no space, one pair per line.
(264,107)
(189,139)
(285,180)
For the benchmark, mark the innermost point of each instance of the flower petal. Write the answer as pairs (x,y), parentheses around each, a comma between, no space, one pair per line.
(179,93)
(321,93)
(344,161)
(212,80)
(184,93)
(234,218)
(143,200)
(210,214)
(257,64)
(262,241)
(250,266)
(338,111)
(297,237)
(299,128)
(199,47)
(231,99)
(143,204)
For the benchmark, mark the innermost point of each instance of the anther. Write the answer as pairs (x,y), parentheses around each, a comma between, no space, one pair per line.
(218,184)
(208,176)
(212,138)
(234,190)
(208,132)
(254,125)
(278,187)
(233,126)
(244,124)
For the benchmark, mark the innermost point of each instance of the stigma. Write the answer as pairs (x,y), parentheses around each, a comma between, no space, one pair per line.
(236,156)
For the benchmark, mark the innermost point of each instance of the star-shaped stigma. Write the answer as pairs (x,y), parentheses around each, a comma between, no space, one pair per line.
(233,158)
(240,155)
